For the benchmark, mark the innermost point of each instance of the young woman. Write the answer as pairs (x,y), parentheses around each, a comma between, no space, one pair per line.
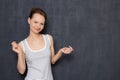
(37,50)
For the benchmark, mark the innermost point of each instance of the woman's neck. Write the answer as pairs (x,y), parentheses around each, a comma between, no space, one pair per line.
(34,36)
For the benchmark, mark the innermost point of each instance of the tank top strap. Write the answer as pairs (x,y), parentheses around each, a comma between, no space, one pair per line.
(47,40)
(24,45)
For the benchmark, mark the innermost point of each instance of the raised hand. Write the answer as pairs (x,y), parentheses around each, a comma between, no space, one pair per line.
(16,48)
(67,50)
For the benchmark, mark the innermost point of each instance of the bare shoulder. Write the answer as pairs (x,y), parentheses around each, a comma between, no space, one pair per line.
(50,38)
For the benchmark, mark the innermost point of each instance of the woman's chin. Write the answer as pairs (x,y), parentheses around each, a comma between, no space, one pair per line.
(36,32)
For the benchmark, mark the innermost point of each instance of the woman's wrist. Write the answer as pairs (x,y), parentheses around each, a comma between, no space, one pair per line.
(60,51)
(20,54)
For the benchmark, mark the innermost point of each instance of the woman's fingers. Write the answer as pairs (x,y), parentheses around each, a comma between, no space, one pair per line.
(67,50)
(71,48)
(12,43)
(15,46)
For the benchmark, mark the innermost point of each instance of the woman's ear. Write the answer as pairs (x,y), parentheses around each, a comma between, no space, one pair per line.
(28,20)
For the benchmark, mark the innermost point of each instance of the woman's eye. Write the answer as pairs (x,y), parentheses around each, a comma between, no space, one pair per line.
(42,24)
(35,22)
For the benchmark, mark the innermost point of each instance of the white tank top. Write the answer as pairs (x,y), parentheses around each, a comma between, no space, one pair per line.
(38,61)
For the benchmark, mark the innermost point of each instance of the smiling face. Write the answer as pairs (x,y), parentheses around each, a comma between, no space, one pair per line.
(36,23)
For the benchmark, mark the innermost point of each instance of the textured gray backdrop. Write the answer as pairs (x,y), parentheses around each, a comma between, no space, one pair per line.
(91,27)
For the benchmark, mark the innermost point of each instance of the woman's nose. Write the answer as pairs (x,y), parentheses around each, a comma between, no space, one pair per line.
(38,25)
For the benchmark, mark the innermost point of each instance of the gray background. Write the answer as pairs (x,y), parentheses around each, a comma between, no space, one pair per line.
(91,27)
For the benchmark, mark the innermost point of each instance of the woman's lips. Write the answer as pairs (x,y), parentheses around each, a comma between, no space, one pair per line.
(38,29)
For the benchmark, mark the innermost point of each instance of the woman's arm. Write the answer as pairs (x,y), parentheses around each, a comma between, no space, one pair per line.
(21,66)
(56,57)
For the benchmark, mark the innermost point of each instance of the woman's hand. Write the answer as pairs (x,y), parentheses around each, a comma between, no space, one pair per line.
(16,48)
(66,50)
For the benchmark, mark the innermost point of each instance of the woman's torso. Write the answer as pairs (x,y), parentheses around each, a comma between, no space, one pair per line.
(38,61)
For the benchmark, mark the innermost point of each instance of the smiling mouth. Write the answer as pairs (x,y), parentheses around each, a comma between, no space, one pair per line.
(38,29)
